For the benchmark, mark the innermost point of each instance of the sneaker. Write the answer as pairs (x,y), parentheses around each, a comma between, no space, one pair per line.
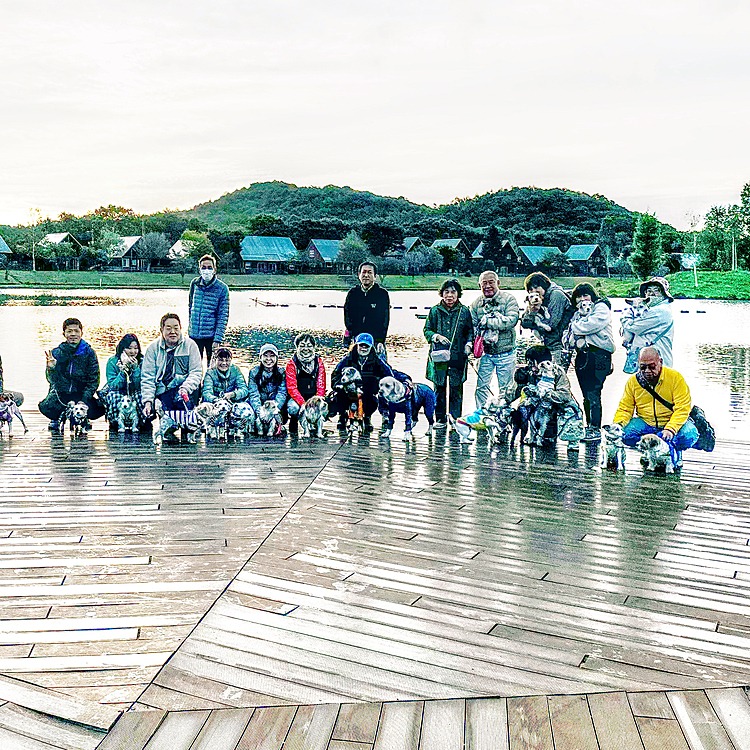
(592,435)
(54,426)
(440,424)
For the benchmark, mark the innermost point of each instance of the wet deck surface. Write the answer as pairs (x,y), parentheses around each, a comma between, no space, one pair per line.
(369,594)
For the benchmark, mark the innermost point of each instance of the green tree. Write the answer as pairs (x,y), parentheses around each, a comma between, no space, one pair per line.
(154,246)
(197,244)
(647,253)
(352,251)
(183,264)
(554,263)
(103,246)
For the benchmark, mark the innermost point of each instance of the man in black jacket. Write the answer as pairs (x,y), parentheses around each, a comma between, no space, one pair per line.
(73,375)
(367,309)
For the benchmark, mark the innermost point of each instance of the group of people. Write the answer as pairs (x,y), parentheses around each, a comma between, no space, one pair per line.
(575,328)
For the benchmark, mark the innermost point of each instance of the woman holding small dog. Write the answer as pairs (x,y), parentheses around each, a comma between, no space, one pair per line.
(267,382)
(594,346)
(305,376)
(449,332)
(123,377)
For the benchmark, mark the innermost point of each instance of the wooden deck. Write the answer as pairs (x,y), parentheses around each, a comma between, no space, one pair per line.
(367,594)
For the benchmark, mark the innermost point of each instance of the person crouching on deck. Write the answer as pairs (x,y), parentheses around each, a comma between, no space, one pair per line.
(266,382)
(305,377)
(643,411)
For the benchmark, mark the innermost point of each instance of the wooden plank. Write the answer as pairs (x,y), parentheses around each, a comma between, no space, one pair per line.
(733,709)
(13,741)
(487,724)
(357,722)
(400,725)
(267,729)
(613,722)
(312,727)
(661,734)
(48,729)
(529,725)
(653,705)
(443,725)
(572,727)
(698,720)
(223,729)
(178,730)
(45,701)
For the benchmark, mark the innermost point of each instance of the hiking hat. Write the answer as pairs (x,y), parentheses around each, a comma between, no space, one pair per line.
(365,338)
(658,281)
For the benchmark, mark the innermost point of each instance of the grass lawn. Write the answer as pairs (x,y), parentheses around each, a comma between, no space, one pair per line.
(711,284)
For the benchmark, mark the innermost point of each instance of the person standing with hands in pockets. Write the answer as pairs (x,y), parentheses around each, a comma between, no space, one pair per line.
(367,309)
(208,306)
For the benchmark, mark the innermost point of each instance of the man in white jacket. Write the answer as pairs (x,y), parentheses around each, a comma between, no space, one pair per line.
(171,369)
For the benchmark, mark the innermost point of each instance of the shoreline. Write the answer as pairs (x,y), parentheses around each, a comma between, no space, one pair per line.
(715,285)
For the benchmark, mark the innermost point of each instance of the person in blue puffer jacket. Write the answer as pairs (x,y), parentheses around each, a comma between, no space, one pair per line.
(208,306)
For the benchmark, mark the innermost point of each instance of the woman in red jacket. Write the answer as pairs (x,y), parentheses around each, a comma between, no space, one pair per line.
(305,376)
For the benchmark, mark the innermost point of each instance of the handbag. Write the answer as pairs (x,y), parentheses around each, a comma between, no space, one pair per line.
(439,356)
(631,361)
(478,346)
(706,434)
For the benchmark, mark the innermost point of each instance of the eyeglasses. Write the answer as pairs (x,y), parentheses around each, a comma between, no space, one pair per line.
(645,367)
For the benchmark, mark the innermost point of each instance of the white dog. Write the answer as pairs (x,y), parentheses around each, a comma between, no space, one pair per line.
(542,316)
(312,415)
(614,448)
(216,425)
(396,396)
(8,410)
(241,420)
(656,454)
(636,309)
(127,415)
(268,420)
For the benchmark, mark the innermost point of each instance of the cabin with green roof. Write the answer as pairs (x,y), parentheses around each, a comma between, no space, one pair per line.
(267,254)
(412,243)
(5,251)
(531,255)
(505,259)
(323,254)
(587,260)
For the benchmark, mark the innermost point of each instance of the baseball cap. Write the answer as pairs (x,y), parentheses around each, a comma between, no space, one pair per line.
(365,338)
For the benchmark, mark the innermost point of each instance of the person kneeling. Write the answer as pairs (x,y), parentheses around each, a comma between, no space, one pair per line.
(73,375)
(363,359)
(657,401)
(305,377)
(546,405)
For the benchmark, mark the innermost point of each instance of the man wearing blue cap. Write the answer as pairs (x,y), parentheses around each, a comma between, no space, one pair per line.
(363,358)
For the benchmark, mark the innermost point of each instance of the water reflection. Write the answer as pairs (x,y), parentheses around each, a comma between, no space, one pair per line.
(731,365)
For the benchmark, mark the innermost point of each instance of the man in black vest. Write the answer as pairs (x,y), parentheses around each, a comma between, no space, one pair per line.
(367,309)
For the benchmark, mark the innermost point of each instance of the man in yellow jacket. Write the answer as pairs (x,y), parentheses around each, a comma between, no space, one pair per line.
(670,420)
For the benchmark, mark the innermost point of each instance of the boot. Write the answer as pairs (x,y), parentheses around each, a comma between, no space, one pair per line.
(592,435)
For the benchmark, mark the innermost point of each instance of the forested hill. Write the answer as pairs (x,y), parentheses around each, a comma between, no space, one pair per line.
(525,209)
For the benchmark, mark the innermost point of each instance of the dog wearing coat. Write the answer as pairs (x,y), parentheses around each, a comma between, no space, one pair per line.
(494,417)
(657,454)
(407,398)
(352,387)
(240,420)
(312,415)
(614,448)
(127,415)
(8,410)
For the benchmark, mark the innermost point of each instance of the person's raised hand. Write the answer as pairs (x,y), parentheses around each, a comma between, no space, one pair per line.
(51,361)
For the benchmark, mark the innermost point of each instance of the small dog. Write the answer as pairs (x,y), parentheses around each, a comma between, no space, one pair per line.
(216,424)
(656,454)
(127,415)
(312,415)
(165,432)
(395,397)
(268,420)
(77,416)
(636,309)
(542,316)
(571,343)
(614,449)
(494,417)
(8,410)
(351,385)
(240,420)
(498,419)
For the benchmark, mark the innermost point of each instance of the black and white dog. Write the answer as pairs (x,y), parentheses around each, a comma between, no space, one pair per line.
(352,387)
(77,417)
(407,398)
(241,420)
(8,410)
(268,420)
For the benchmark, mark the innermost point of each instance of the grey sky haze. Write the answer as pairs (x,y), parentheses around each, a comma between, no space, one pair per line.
(155,104)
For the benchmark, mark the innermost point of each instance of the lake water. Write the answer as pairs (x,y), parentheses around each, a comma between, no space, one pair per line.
(711,343)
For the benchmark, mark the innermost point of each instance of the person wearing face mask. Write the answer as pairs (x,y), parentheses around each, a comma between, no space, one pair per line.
(305,377)
(655,327)
(208,306)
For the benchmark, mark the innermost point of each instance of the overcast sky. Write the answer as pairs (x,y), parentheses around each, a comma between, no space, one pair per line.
(168,104)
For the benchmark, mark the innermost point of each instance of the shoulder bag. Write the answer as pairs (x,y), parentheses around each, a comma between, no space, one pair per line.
(441,356)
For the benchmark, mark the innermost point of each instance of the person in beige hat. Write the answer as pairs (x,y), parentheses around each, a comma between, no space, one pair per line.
(655,327)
